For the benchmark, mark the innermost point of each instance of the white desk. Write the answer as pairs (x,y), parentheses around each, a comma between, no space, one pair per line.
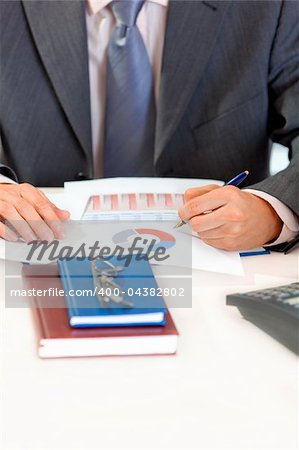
(229,386)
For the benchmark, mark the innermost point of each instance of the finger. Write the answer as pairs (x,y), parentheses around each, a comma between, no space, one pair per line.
(207,222)
(208,202)
(7,233)
(227,244)
(30,215)
(231,231)
(11,215)
(27,212)
(198,191)
(44,209)
(62,213)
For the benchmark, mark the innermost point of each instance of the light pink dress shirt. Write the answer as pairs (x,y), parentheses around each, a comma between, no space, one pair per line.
(100,22)
(151,22)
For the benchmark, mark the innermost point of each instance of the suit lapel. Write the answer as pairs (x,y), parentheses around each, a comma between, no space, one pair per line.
(59,33)
(192,29)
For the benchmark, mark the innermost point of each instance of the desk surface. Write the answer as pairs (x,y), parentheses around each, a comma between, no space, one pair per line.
(229,386)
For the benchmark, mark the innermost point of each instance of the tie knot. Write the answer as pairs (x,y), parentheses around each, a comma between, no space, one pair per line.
(126,11)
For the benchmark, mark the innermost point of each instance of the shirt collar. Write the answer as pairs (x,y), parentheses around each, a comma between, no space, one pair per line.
(97,5)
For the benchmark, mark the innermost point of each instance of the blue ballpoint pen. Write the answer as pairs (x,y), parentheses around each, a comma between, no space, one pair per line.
(233,182)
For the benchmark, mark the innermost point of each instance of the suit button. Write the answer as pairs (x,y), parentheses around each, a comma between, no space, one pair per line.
(81,176)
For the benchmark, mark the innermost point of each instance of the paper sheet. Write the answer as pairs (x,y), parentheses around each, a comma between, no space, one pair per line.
(78,192)
(76,195)
(134,207)
(70,203)
(132,184)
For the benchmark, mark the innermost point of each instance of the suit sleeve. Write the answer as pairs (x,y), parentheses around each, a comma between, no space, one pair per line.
(283,85)
(5,170)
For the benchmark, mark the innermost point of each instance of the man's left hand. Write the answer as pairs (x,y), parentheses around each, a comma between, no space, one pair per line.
(230,219)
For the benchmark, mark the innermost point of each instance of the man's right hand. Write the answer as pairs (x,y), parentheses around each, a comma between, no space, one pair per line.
(27,213)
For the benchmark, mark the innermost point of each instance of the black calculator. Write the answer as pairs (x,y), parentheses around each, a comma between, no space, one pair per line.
(275,310)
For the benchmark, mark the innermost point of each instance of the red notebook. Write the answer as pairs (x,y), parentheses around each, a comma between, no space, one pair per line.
(56,339)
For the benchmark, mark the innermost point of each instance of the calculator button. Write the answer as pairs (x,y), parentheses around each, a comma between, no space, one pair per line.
(281,297)
(266,297)
(292,301)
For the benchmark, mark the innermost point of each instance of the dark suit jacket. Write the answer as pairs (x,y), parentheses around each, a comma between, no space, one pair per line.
(229,85)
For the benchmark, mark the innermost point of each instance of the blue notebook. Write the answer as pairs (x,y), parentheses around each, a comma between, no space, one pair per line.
(137,285)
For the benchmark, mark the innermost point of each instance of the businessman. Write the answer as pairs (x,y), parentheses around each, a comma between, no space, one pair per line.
(168,88)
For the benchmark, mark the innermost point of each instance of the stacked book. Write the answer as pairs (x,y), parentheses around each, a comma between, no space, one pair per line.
(81,310)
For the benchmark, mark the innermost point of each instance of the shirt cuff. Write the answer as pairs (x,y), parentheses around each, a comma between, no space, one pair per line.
(290,227)
(4,179)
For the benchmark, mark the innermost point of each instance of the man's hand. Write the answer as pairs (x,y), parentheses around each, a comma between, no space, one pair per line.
(230,219)
(27,213)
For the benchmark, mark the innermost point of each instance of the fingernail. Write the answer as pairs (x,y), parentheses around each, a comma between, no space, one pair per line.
(30,237)
(65,213)
(11,237)
(49,236)
(59,232)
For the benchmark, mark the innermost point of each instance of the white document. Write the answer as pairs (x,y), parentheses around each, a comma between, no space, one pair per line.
(127,185)
(134,207)
(78,192)
(70,203)
(205,257)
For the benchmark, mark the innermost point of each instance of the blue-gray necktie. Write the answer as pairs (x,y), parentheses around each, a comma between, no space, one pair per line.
(130,103)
